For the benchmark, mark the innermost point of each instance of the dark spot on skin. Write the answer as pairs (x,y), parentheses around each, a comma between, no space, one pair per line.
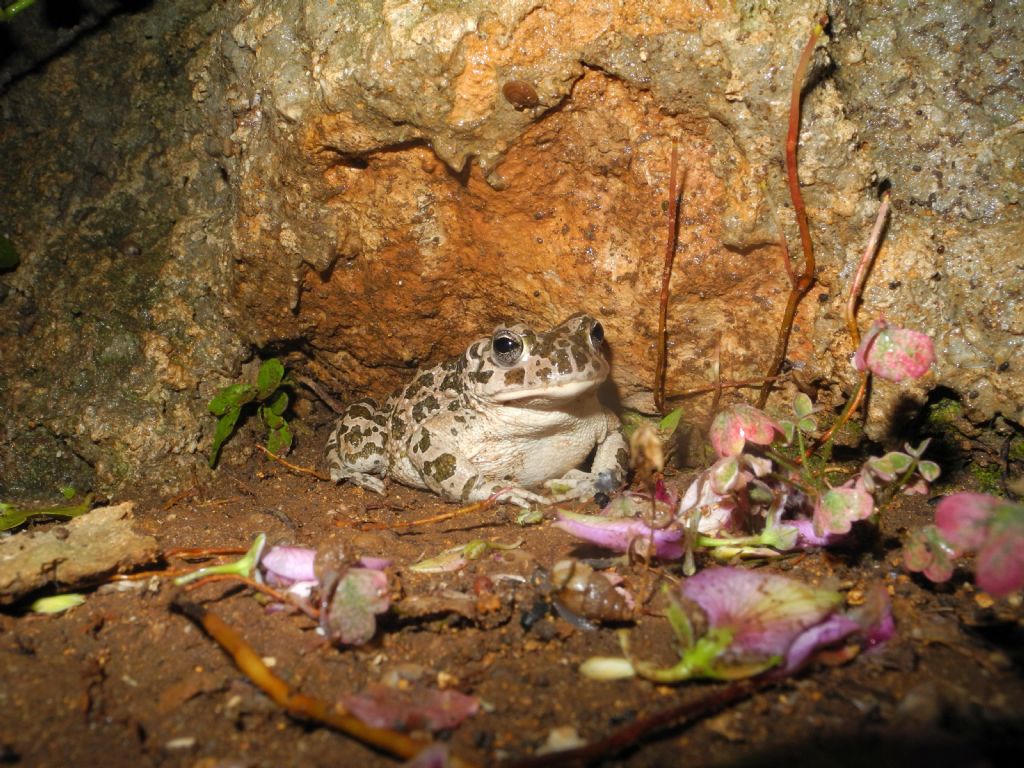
(361,410)
(423,444)
(622,459)
(481,377)
(425,407)
(397,428)
(441,468)
(823,298)
(515,377)
(520,94)
(468,487)
(451,383)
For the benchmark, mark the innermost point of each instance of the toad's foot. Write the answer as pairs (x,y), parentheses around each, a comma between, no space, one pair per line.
(363,480)
(580,485)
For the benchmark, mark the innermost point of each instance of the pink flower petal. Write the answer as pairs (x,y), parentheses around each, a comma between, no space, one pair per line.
(617,533)
(739,424)
(282,566)
(764,612)
(831,630)
(806,537)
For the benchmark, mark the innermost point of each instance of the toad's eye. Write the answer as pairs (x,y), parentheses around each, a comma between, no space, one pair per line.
(596,334)
(506,348)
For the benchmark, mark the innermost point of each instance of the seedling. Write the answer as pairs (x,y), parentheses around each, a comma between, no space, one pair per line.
(269,397)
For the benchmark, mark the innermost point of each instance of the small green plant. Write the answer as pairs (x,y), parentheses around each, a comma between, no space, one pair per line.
(271,400)
(12,516)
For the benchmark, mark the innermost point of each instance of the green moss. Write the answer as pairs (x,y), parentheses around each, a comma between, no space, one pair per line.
(1016,452)
(945,413)
(986,477)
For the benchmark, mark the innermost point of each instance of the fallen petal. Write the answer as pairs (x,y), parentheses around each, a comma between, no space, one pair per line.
(617,533)
(283,566)
(432,710)
(764,613)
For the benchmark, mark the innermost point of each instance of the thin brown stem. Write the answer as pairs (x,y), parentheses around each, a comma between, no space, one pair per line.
(674,192)
(629,736)
(848,411)
(296,467)
(805,280)
(439,518)
(296,704)
(862,270)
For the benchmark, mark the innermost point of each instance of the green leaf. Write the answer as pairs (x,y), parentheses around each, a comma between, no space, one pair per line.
(807,425)
(802,406)
(279,404)
(271,419)
(279,441)
(231,397)
(8,255)
(788,430)
(668,425)
(11,516)
(67,492)
(929,470)
(269,377)
(891,465)
(225,426)
(57,603)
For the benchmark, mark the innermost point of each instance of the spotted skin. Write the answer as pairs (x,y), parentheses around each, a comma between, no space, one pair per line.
(515,413)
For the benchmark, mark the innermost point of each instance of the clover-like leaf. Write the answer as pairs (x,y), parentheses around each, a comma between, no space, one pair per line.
(1000,566)
(963,519)
(894,353)
(739,424)
(927,552)
(802,405)
(929,470)
(724,475)
(890,466)
(839,508)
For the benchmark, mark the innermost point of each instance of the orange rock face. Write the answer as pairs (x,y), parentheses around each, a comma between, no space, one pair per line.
(580,224)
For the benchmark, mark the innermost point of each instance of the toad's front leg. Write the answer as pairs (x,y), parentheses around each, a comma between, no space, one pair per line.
(607,473)
(448,472)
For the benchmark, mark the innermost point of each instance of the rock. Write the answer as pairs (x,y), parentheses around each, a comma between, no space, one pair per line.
(85,551)
(360,188)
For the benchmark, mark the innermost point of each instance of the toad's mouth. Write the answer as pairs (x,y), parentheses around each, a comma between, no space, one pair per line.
(560,390)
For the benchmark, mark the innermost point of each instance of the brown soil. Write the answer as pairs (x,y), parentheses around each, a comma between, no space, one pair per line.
(125,680)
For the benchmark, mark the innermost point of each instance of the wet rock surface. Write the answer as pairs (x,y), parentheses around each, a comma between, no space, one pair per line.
(363,192)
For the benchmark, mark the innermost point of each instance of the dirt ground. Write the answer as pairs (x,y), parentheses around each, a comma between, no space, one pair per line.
(125,680)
